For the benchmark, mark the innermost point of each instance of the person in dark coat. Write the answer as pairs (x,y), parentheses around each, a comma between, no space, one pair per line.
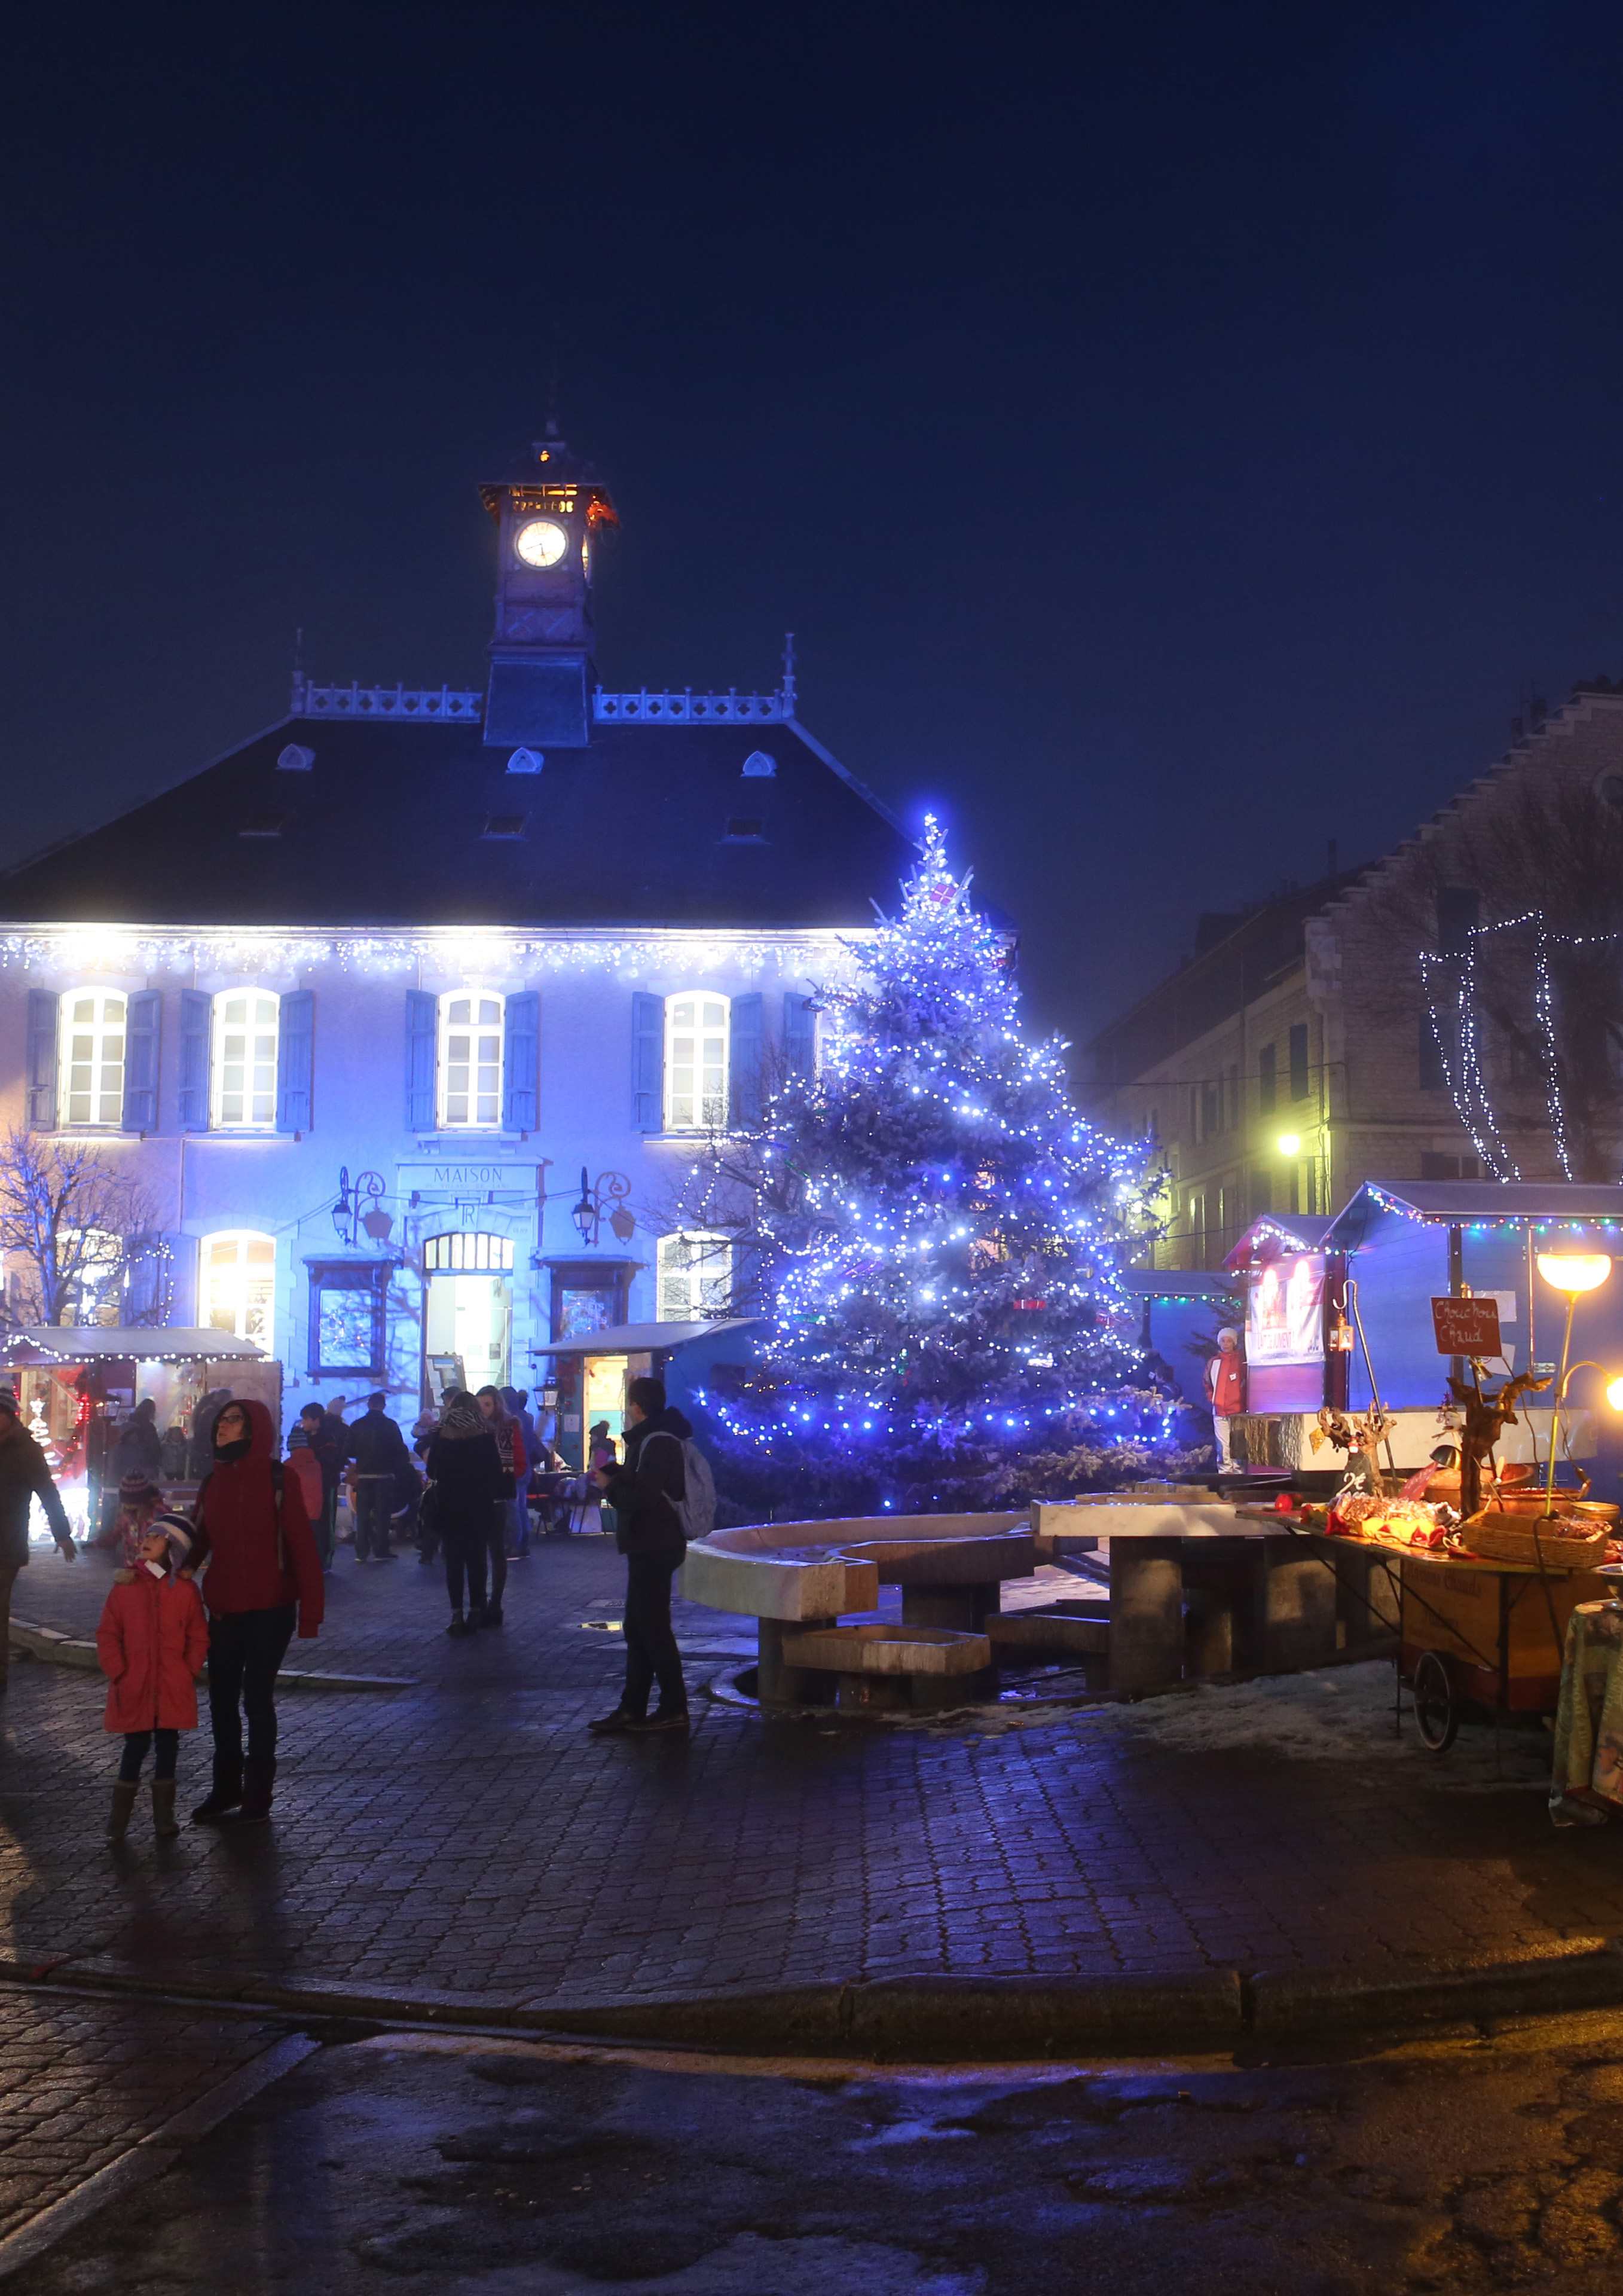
(466,1469)
(515,1474)
(24,1477)
(264,1574)
(310,1434)
(376,1449)
(646,1495)
(139,1449)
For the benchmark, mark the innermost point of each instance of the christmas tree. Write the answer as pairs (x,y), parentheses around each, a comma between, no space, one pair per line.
(936,1234)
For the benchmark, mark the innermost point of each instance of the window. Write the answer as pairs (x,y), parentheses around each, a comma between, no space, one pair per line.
(695,1276)
(1459,909)
(240,1284)
(469,1059)
(1262,1193)
(695,1062)
(1211,1110)
(348,1302)
(92,1059)
(462,1254)
(1299,1086)
(1433,1167)
(1267,1079)
(1433,1068)
(243,1071)
(1234,1096)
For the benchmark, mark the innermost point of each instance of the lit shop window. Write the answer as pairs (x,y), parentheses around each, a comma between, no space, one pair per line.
(695,1276)
(460,1253)
(243,1071)
(92,1059)
(240,1284)
(696,1064)
(470,1060)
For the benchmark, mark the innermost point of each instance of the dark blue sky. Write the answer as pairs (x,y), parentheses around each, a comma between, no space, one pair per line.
(1178,433)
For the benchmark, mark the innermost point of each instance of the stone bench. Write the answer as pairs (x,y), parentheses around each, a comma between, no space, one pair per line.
(885,1667)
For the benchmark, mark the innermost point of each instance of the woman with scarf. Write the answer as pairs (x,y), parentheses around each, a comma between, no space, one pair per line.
(466,1469)
(515,1473)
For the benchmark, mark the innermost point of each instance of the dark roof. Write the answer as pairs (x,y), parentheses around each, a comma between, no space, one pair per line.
(1464,1200)
(1237,957)
(392,826)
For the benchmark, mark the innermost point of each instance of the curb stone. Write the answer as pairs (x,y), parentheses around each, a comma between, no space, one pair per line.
(931,2018)
(54,1649)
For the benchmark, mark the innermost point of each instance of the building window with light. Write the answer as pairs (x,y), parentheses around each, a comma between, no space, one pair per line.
(239,1285)
(470,1060)
(243,1071)
(92,1051)
(695,1062)
(695,1276)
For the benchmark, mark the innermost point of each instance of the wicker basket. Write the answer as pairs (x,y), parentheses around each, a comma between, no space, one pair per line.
(1525,1539)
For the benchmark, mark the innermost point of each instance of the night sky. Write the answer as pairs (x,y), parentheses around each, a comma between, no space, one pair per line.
(1177,435)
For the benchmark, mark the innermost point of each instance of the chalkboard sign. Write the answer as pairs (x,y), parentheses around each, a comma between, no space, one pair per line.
(1467,1327)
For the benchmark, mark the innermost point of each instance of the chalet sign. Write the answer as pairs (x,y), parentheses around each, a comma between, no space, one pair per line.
(1467,1327)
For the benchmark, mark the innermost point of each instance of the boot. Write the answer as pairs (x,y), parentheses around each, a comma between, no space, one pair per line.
(164,1824)
(123,1793)
(226,1794)
(259,1782)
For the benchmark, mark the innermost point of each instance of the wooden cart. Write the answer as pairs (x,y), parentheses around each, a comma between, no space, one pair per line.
(1483,1638)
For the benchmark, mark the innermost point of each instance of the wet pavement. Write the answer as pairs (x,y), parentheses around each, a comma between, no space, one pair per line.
(467,1836)
(471,2167)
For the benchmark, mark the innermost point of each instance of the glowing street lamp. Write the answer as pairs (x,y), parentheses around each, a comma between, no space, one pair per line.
(1289,1144)
(1573,1273)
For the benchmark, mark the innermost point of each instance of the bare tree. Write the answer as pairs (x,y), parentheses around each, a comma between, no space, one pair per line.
(78,1237)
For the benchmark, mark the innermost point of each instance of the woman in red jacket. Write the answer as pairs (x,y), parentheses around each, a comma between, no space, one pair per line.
(152,1643)
(255,1535)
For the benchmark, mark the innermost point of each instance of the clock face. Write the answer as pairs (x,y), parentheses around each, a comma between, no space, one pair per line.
(540,542)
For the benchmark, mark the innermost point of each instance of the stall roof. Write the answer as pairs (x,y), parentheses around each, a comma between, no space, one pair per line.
(139,1343)
(1295,1232)
(1177,1283)
(644,1339)
(1463,1202)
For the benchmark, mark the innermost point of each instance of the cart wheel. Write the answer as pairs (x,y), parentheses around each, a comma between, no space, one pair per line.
(1437,1710)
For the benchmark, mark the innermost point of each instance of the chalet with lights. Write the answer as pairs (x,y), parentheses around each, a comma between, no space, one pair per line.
(406,1016)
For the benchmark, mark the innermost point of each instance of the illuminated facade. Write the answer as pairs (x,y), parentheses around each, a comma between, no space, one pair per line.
(359,1002)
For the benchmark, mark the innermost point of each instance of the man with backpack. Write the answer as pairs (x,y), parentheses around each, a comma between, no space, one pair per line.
(661,1496)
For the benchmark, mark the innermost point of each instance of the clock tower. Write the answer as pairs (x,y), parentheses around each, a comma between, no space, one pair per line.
(548,512)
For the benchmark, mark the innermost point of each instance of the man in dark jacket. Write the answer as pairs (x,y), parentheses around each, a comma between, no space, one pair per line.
(647,1493)
(24,1477)
(381,1462)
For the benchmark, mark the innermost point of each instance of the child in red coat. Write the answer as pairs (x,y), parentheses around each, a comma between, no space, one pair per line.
(154,1644)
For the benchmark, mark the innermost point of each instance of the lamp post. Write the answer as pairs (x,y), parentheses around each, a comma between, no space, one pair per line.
(1573,1273)
(605,1201)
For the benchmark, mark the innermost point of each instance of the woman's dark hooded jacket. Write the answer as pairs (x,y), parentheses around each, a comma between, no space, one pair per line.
(465,1468)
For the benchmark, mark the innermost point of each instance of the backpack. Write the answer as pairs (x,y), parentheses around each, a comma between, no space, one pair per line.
(697,1508)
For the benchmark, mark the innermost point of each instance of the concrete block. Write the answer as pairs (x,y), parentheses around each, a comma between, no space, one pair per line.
(767,1585)
(889,1650)
(1050,1630)
(923,1562)
(1146,1614)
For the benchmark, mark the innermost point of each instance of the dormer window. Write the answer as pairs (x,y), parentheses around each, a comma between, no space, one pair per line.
(296,759)
(743,831)
(263,824)
(759,768)
(504,825)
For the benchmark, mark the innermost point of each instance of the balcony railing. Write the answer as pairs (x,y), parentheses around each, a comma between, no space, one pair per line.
(426,704)
(688,708)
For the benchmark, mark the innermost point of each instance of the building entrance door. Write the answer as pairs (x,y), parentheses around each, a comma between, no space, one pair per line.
(470,1317)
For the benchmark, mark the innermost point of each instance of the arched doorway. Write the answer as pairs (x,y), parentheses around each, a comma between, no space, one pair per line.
(467,1326)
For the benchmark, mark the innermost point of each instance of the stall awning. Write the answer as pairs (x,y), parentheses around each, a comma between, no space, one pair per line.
(643,1338)
(1274,1234)
(1490,1203)
(125,1343)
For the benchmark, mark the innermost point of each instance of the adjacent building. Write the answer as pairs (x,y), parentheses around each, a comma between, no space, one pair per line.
(1452,1013)
(407,1015)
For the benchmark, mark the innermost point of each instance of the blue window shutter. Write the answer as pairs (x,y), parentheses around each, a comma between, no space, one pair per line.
(800,1035)
(647,1063)
(295,1060)
(421,1028)
(42,1060)
(196,1012)
(745,1053)
(521,1063)
(141,1017)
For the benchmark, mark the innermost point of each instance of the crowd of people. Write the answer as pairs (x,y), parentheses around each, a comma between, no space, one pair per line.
(228,1579)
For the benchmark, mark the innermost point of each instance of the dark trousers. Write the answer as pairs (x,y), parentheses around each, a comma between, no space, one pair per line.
(325,1525)
(245,1649)
(650,1646)
(467,1547)
(496,1545)
(375,1505)
(135,1743)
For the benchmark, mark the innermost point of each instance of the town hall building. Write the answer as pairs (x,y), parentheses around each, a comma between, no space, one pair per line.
(409,1015)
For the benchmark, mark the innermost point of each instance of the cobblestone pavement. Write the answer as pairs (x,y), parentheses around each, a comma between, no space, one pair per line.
(466,2168)
(467,1837)
(81,2081)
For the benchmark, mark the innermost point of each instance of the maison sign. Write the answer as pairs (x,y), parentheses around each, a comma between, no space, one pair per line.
(467,1178)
